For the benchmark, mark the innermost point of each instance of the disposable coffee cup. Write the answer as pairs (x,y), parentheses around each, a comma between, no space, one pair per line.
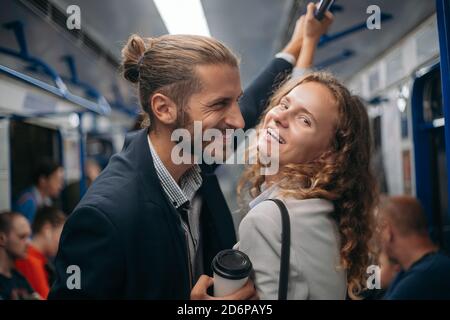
(231,269)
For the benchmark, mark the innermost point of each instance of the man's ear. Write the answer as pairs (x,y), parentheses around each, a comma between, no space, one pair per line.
(41,181)
(47,230)
(2,239)
(164,109)
(397,267)
(389,233)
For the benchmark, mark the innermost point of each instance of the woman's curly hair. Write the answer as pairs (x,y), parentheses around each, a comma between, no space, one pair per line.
(347,179)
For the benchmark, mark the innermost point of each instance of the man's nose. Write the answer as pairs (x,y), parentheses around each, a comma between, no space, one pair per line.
(234,117)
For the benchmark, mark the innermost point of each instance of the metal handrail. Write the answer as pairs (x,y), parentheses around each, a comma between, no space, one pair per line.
(60,88)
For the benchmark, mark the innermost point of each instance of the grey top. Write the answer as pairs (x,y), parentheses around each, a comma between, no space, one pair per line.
(190,181)
(315,271)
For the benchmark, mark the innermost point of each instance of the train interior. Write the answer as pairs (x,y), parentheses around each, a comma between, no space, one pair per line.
(62,95)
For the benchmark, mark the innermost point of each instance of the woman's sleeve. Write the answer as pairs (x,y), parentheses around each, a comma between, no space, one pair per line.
(260,239)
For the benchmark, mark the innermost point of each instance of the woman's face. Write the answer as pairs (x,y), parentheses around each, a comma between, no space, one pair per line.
(305,121)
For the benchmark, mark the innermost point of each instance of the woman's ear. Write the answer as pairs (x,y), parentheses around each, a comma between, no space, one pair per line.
(164,109)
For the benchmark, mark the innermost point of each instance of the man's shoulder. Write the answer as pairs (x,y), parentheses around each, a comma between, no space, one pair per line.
(119,194)
(25,196)
(19,279)
(117,183)
(427,279)
(434,264)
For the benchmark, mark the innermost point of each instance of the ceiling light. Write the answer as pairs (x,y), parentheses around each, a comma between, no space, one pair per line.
(183,17)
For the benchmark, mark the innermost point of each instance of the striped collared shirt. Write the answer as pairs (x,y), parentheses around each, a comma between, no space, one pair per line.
(190,182)
(188,202)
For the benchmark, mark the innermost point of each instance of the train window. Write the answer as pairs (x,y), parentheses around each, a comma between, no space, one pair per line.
(4,166)
(377,161)
(432,104)
(427,42)
(30,141)
(100,149)
(404,125)
(374,80)
(407,178)
(394,66)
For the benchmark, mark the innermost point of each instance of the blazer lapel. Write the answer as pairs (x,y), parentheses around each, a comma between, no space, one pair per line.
(153,192)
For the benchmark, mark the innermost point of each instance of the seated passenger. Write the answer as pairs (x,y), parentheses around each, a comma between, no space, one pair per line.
(48,182)
(36,267)
(425,269)
(389,268)
(14,233)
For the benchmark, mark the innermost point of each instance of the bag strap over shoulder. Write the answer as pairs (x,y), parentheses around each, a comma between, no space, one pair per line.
(285,249)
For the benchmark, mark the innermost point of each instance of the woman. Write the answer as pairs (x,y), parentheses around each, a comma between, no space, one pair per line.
(322,134)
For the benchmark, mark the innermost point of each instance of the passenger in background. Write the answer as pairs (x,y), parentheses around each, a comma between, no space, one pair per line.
(404,235)
(48,182)
(36,266)
(389,268)
(14,233)
(92,170)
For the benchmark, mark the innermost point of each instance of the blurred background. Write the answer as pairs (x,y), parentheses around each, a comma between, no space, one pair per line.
(62,97)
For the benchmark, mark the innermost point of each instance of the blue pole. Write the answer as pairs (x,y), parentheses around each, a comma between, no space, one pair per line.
(83,185)
(443,22)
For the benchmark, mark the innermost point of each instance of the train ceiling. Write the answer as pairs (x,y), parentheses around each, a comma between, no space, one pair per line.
(255,29)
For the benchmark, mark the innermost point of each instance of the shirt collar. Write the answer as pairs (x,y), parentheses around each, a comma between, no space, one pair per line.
(190,182)
(40,201)
(267,193)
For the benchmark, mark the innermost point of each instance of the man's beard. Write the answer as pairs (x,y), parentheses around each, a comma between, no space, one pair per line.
(184,121)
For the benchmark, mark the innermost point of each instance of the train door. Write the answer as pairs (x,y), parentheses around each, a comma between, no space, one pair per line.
(30,141)
(430,157)
(5,188)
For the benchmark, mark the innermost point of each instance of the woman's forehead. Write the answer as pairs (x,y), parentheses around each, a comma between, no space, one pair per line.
(313,96)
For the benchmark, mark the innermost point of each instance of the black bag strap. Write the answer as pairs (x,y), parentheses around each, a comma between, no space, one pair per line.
(285,249)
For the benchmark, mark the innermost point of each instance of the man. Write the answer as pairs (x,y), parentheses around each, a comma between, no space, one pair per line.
(48,182)
(36,266)
(14,233)
(425,269)
(149,228)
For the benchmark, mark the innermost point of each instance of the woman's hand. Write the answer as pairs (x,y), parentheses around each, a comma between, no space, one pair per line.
(199,292)
(295,43)
(313,28)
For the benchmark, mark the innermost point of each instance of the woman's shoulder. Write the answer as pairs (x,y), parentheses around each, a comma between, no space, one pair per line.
(267,209)
(312,205)
(265,216)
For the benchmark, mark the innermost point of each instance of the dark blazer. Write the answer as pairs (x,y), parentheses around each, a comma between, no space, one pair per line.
(125,236)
